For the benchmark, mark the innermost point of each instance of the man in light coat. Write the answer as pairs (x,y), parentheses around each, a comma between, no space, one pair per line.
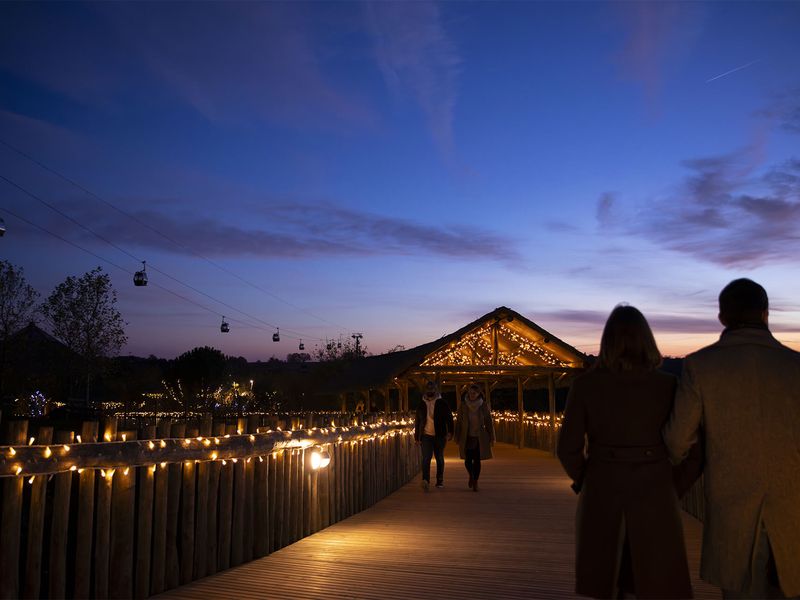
(744,391)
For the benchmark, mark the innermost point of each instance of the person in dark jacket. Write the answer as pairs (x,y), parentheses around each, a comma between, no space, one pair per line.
(628,523)
(474,433)
(433,427)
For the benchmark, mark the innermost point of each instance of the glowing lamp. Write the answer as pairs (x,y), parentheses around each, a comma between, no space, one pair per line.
(320,459)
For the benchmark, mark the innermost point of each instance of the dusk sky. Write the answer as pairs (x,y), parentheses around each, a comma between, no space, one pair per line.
(400,169)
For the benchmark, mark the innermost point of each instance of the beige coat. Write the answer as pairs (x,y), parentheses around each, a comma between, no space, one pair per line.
(486,435)
(745,391)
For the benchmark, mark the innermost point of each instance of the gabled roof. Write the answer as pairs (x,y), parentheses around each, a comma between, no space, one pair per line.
(520,341)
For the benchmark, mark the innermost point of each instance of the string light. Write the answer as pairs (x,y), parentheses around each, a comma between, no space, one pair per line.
(47,452)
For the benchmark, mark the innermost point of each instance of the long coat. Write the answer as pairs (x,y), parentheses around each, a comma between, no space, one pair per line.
(745,390)
(626,486)
(485,436)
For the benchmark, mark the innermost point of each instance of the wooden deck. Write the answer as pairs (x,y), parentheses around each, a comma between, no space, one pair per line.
(512,539)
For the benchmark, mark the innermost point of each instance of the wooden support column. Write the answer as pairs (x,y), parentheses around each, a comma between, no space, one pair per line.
(488,394)
(343,402)
(387,400)
(521,413)
(551,396)
(458,397)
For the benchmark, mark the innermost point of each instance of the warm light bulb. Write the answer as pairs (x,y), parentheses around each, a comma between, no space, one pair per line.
(47,452)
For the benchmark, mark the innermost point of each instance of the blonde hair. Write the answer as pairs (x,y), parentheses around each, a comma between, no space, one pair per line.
(628,343)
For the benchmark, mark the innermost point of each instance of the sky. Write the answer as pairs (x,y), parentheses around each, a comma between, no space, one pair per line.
(400,169)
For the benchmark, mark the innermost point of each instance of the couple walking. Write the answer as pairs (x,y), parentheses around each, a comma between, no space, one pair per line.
(735,416)
(473,429)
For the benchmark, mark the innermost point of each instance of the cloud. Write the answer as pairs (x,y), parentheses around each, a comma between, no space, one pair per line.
(416,56)
(785,110)
(605,205)
(660,37)
(729,213)
(296,231)
(231,62)
(663,323)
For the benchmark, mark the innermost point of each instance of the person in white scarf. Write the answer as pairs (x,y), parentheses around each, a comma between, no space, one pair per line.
(474,433)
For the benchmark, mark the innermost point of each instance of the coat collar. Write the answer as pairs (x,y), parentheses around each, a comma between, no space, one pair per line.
(748,335)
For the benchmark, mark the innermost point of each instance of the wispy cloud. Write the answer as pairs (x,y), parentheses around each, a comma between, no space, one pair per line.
(298,231)
(784,108)
(664,323)
(232,62)
(660,36)
(728,213)
(416,56)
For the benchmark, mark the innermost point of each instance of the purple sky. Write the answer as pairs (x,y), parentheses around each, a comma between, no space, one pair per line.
(399,169)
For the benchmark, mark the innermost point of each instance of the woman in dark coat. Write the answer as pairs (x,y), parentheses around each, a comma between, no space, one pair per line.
(474,433)
(628,523)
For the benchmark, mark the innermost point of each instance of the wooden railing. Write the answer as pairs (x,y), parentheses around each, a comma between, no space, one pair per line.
(120,514)
(537,430)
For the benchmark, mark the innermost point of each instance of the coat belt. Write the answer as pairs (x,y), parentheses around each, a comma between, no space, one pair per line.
(627,453)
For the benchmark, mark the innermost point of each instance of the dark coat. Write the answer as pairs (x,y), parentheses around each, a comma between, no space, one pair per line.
(485,435)
(626,486)
(442,419)
(745,391)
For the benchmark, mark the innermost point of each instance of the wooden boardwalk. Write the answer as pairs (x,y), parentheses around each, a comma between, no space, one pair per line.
(512,539)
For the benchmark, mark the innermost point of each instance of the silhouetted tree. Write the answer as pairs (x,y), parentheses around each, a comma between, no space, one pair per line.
(196,377)
(17,303)
(82,313)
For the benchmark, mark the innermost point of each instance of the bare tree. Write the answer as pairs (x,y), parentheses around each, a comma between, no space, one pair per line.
(17,305)
(82,313)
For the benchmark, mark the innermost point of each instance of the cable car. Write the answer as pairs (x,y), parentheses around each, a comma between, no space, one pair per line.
(224,328)
(2,227)
(302,346)
(276,337)
(140,277)
(339,345)
(329,346)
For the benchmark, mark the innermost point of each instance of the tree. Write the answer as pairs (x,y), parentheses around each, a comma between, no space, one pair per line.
(17,303)
(82,313)
(196,377)
(333,351)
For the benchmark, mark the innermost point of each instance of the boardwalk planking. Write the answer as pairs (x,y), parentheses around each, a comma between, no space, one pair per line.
(512,539)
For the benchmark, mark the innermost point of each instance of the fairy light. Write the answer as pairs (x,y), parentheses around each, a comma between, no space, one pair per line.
(124,437)
(206,442)
(151,445)
(126,471)
(163,443)
(164,465)
(252,438)
(47,452)
(214,455)
(19,470)
(30,441)
(73,468)
(12,452)
(31,479)
(80,441)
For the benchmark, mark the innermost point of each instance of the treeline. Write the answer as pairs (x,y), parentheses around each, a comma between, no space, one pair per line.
(71,361)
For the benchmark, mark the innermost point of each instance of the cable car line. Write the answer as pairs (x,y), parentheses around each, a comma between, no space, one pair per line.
(124,270)
(137,259)
(164,235)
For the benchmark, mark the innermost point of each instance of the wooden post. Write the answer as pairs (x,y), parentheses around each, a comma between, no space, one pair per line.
(488,394)
(551,396)
(102,537)
(12,518)
(272,492)
(343,402)
(123,504)
(173,566)
(85,524)
(279,521)
(214,490)
(187,521)
(33,562)
(201,520)
(521,413)
(225,511)
(160,499)
(144,526)
(259,508)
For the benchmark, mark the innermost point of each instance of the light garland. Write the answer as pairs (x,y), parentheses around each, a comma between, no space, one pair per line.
(475,349)
(66,458)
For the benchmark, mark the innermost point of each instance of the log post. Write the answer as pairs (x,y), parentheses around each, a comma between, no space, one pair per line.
(123,504)
(33,562)
(85,525)
(551,397)
(144,525)
(520,413)
(160,497)
(102,537)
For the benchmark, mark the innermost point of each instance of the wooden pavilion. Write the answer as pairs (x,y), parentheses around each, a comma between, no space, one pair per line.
(502,348)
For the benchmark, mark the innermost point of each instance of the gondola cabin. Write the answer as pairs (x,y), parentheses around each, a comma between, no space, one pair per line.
(224,327)
(276,337)
(140,277)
